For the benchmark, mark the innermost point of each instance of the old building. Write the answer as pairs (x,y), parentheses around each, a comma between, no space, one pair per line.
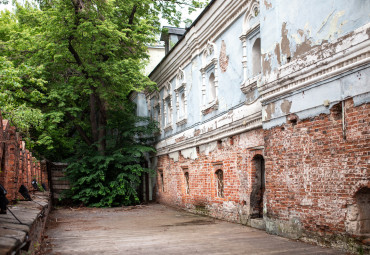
(264,109)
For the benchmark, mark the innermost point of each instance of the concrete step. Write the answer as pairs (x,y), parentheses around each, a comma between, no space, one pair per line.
(258,223)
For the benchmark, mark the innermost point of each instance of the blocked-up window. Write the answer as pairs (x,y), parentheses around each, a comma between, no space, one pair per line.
(187,186)
(212,87)
(162,182)
(182,105)
(220,183)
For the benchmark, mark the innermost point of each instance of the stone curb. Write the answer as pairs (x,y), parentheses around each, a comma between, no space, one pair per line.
(16,237)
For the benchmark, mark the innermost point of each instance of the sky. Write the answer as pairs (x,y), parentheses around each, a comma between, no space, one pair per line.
(5,6)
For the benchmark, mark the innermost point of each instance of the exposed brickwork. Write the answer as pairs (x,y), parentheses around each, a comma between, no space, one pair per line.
(233,156)
(314,169)
(17,164)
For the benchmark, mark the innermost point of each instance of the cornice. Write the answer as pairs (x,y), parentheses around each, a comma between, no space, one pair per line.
(237,127)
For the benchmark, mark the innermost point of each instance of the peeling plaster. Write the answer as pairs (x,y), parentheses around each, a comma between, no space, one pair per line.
(285,43)
(267,4)
(266,63)
(285,106)
(207,148)
(174,156)
(190,153)
(224,59)
(277,53)
(270,110)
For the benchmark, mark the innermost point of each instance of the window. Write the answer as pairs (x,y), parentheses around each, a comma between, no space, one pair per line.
(220,183)
(187,188)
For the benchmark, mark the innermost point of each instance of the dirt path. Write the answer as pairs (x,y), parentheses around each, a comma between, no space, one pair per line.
(157,229)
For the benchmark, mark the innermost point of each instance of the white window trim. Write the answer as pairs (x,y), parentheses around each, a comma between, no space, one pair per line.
(181,86)
(249,83)
(209,50)
(157,107)
(167,106)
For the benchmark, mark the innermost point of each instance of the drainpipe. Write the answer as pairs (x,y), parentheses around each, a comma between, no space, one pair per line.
(344,120)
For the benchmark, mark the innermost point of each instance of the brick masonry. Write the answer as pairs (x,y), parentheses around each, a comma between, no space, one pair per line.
(314,170)
(18,166)
(313,173)
(233,156)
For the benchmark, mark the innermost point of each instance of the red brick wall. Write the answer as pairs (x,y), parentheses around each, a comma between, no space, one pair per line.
(233,156)
(313,173)
(17,164)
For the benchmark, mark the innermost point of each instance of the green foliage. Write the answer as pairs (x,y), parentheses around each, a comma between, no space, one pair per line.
(112,179)
(67,68)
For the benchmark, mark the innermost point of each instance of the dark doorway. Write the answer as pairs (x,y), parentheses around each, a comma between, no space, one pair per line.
(258,186)
(363,203)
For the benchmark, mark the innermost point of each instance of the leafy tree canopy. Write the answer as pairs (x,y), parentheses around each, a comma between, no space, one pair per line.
(66,70)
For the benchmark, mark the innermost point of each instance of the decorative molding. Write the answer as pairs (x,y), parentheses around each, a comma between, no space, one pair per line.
(251,84)
(167,128)
(252,12)
(210,107)
(182,121)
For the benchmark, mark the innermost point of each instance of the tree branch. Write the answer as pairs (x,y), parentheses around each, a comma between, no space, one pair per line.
(132,15)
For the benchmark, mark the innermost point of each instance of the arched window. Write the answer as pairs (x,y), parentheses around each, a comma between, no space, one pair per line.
(187,186)
(220,183)
(212,87)
(256,56)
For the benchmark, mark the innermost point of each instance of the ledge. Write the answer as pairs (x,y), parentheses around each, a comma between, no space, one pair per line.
(168,128)
(210,107)
(182,121)
(15,236)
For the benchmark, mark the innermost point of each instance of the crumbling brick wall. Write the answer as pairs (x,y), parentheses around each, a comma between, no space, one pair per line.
(17,166)
(315,168)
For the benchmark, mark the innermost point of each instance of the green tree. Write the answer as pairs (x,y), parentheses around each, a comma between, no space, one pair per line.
(91,55)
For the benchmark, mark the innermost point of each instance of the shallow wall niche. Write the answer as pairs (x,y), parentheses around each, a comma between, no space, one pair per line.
(363,203)
(358,214)
(256,56)
(220,183)
(258,186)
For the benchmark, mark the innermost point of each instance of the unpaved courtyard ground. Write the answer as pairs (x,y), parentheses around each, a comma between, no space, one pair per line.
(156,229)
